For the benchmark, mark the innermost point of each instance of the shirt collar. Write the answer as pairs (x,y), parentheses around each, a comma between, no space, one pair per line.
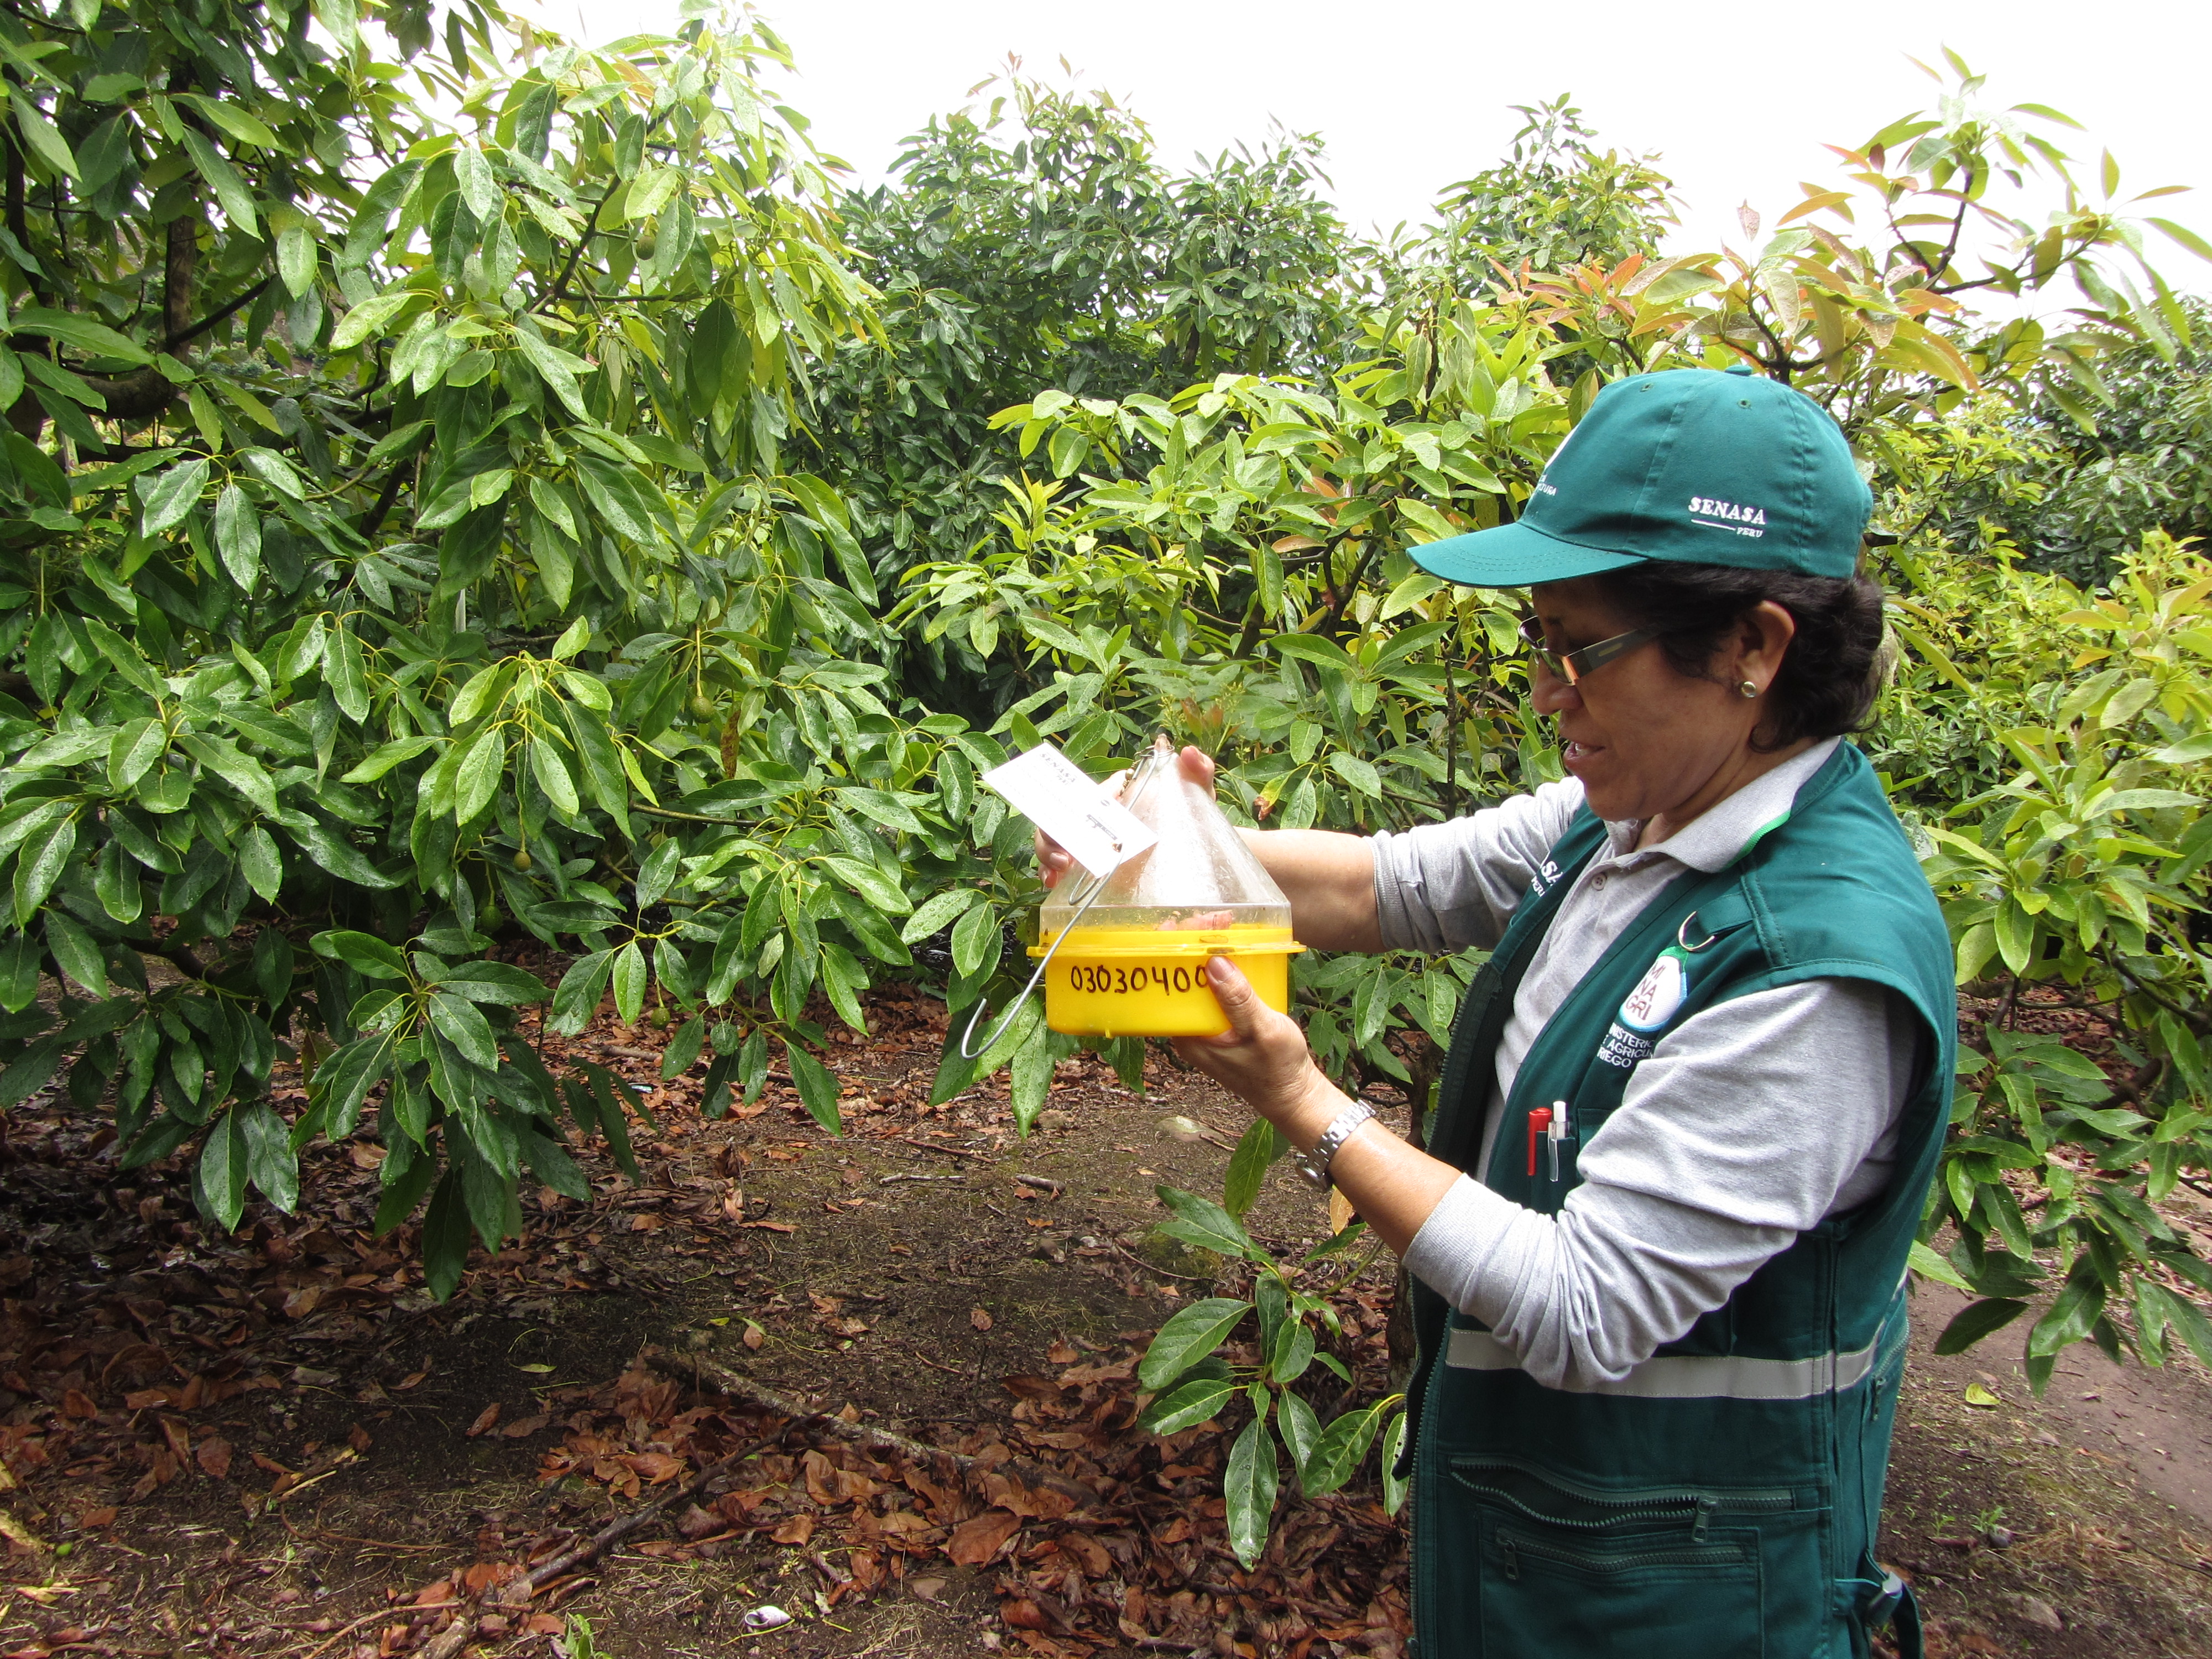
(1717,837)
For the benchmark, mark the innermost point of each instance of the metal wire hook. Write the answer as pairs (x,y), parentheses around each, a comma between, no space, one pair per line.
(1682,935)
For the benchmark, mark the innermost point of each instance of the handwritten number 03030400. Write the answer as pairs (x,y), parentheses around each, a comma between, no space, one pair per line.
(1102,978)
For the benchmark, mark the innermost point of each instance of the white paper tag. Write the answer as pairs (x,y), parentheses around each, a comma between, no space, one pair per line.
(1055,794)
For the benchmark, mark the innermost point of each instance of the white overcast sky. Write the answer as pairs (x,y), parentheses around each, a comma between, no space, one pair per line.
(1410,95)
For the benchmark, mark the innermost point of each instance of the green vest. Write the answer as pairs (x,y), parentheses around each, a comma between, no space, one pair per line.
(1721,1501)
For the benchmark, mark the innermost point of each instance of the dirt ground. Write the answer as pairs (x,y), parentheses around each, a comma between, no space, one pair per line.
(279,1443)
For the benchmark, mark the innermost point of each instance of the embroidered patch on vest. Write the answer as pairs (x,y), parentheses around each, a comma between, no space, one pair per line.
(1655,999)
(1658,994)
(1623,1048)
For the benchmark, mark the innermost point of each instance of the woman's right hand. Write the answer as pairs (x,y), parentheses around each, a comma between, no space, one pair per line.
(1054,861)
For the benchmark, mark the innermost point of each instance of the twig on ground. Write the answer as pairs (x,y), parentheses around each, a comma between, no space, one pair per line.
(584,1554)
(782,1404)
(1041,1183)
(950,1152)
(893,1179)
(340,1635)
(1196,1279)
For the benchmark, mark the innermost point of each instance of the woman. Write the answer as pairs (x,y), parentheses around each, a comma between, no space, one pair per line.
(1693,1103)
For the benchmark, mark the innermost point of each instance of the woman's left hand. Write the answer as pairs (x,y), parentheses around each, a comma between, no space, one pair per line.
(1263,1058)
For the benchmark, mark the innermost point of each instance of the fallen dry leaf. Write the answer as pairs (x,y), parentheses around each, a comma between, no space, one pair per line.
(523,1426)
(214,1457)
(979,1319)
(435,1595)
(358,1438)
(773,1226)
(655,1467)
(485,1419)
(973,1542)
(1063,1352)
(76,1402)
(303,1301)
(411,1379)
(797,1530)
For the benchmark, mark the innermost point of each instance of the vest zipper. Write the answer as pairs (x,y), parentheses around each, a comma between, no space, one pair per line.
(1700,1509)
(1512,1560)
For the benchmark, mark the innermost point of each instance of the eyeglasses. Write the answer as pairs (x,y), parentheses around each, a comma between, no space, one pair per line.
(1571,666)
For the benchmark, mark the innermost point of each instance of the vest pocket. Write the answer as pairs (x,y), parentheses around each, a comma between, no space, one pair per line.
(1641,1593)
(1561,1569)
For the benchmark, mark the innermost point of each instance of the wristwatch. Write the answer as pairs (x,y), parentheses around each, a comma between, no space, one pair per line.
(1313,1165)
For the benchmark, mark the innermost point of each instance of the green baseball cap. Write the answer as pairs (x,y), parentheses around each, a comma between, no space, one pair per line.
(1690,465)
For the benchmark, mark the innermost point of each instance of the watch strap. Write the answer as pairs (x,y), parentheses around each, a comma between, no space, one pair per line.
(1314,1164)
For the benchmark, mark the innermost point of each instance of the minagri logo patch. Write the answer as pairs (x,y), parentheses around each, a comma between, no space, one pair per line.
(1728,515)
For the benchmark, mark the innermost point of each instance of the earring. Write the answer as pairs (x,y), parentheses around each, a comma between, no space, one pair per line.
(1749,688)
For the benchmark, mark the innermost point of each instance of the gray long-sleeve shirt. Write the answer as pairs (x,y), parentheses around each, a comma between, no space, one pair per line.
(1749,1122)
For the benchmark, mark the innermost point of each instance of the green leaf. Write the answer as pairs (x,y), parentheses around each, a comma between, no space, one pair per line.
(479,189)
(230,188)
(240,124)
(1189,1336)
(1970,1324)
(817,1085)
(2076,1308)
(387,756)
(369,318)
(629,982)
(343,1081)
(936,912)
(1339,1449)
(446,1237)
(297,258)
(1249,1485)
(132,752)
(1189,1406)
(338,856)
(657,872)
(237,536)
(1929,1265)
(545,765)
(95,338)
(270,1163)
(76,953)
(975,940)
(166,497)
(1394,1485)
(477,781)
(43,137)
(1300,1428)
(219,1178)
(1260,1147)
(1359,773)
(683,1051)
(461,1024)
(578,633)
(881,805)
(39,866)
(1213,1225)
(364,953)
(499,982)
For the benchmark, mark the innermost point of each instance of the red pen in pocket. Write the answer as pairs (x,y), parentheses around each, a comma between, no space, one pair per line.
(1540,1120)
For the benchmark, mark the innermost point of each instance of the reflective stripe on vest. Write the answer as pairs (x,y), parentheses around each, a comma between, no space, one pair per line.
(1678,1377)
